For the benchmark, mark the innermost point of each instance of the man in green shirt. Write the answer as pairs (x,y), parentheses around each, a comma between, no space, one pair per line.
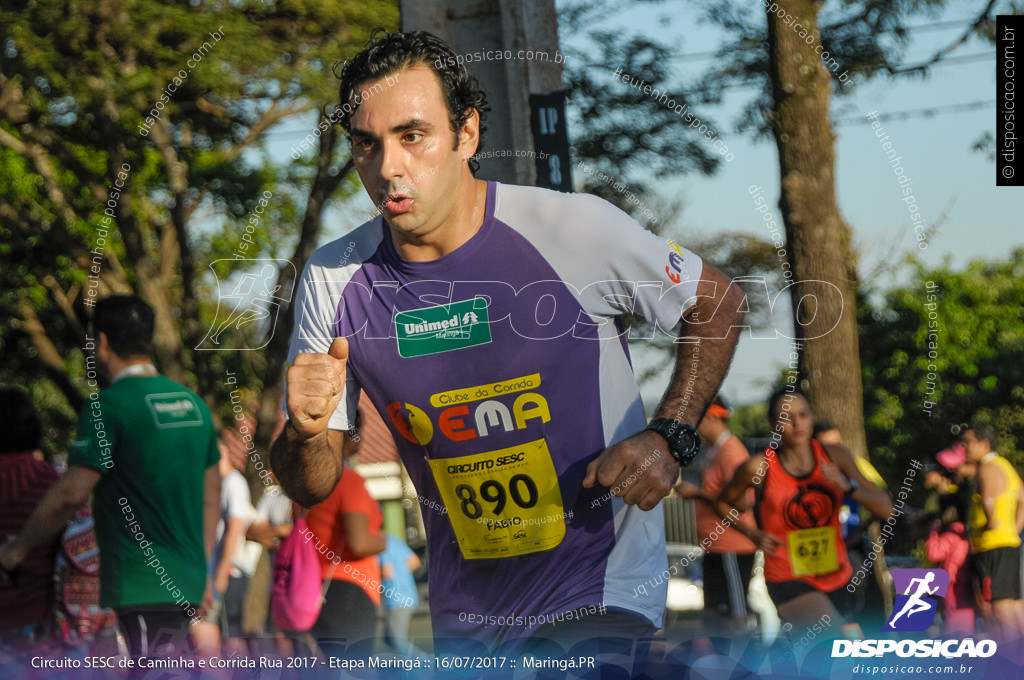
(146,447)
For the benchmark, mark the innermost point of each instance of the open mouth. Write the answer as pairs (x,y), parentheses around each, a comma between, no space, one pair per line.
(397,204)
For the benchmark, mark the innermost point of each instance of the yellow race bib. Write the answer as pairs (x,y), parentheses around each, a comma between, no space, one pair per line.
(502,503)
(813,551)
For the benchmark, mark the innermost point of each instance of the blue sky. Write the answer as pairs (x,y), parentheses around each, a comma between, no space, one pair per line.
(952,184)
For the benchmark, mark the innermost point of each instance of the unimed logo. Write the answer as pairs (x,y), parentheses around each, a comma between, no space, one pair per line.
(915,608)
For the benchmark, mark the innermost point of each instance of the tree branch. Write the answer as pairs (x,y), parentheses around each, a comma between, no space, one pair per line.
(41,160)
(48,356)
(938,56)
(268,119)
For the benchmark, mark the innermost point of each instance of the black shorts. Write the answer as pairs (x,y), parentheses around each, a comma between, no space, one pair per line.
(997,574)
(726,576)
(782,592)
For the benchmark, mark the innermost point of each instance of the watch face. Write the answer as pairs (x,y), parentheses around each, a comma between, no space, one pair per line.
(688,441)
(683,442)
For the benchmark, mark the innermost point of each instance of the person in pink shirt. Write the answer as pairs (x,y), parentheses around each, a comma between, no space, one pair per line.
(948,545)
(729,555)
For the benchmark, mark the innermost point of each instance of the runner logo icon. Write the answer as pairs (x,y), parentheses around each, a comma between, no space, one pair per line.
(914,609)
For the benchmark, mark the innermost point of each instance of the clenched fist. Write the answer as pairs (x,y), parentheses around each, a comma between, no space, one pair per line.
(315,384)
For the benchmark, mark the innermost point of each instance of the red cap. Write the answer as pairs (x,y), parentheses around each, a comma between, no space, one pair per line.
(718,411)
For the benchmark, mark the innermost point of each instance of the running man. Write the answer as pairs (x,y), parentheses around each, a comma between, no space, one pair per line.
(915,604)
(483,322)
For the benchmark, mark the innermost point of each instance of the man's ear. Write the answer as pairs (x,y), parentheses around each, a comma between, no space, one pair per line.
(469,134)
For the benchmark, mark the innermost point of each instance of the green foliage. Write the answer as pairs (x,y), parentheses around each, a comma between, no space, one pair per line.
(183,93)
(617,129)
(750,421)
(867,39)
(945,350)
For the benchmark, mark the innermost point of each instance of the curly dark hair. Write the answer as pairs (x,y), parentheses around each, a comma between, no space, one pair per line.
(389,53)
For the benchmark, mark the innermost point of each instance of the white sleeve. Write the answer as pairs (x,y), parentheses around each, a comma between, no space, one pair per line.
(615,265)
(315,307)
(275,509)
(239,501)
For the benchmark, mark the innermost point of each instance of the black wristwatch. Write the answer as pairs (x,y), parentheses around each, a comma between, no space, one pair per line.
(683,442)
(853,486)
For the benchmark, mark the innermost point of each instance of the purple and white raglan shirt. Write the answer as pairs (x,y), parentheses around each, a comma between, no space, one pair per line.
(502,370)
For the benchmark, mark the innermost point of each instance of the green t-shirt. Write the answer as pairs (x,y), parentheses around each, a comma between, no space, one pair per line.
(152,440)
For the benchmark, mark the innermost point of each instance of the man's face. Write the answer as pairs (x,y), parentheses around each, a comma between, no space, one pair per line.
(404,151)
(976,448)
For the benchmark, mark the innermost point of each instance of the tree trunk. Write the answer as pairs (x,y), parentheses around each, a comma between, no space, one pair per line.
(819,240)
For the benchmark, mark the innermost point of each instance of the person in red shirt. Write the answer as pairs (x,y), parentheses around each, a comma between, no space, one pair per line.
(729,555)
(347,530)
(799,485)
(26,603)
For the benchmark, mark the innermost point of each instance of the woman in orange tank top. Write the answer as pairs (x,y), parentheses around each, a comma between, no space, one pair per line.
(799,485)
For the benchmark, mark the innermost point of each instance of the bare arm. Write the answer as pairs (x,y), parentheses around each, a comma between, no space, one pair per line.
(211,508)
(691,492)
(266,533)
(712,330)
(1020,508)
(308,469)
(989,483)
(52,515)
(713,325)
(360,539)
(232,533)
(307,458)
(733,497)
(867,494)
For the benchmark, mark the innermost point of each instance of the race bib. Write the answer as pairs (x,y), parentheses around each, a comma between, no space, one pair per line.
(813,551)
(502,503)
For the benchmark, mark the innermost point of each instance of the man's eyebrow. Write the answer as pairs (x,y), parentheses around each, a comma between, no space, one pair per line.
(401,127)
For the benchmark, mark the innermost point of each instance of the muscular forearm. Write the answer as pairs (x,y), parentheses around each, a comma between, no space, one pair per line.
(711,332)
(308,469)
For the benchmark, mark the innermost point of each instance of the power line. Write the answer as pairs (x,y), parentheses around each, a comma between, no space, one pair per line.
(923,28)
(919,113)
(948,61)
